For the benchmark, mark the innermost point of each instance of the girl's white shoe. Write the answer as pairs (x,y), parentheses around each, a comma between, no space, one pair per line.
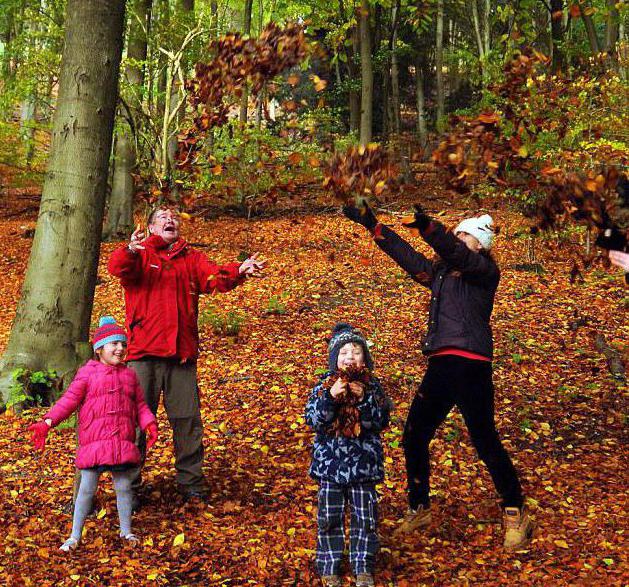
(69,544)
(131,538)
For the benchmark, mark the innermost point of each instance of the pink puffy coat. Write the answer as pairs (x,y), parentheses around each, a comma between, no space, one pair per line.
(111,404)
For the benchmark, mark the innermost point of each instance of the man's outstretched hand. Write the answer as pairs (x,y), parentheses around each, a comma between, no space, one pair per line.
(137,238)
(253,266)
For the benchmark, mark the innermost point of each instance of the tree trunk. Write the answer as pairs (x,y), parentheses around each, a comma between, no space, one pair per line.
(366,70)
(246,30)
(27,125)
(439,61)
(590,29)
(623,53)
(139,22)
(422,131)
(354,96)
(557,35)
(395,74)
(53,313)
(479,39)
(487,28)
(214,13)
(612,26)
(119,221)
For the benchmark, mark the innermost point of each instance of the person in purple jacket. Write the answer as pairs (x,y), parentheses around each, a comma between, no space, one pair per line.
(111,404)
(459,346)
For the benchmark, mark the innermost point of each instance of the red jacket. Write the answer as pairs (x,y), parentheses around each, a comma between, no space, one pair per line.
(111,406)
(162,285)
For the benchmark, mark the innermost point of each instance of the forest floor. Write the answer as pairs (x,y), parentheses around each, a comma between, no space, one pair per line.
(560,413)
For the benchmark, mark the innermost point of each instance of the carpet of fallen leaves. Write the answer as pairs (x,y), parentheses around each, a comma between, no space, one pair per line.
(560,413)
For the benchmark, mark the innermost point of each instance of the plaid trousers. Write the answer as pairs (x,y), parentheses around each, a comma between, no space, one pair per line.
(363,536)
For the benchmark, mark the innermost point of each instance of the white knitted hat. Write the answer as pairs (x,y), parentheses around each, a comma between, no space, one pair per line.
(481,227)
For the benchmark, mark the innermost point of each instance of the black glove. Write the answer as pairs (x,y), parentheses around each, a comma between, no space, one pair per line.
(422,220)
(363,215)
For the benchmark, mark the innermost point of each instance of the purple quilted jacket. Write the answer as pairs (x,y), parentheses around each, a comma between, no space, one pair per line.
(111,404)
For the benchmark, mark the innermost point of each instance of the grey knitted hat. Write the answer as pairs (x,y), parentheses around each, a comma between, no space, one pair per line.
(341,335)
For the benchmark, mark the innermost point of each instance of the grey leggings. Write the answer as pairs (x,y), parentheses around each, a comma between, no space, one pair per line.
(87,489)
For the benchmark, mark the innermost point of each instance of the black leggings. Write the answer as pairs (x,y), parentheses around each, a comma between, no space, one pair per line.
(452,380)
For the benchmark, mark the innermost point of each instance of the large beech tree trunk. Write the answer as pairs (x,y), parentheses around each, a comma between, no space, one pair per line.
(366,69)
(53,314)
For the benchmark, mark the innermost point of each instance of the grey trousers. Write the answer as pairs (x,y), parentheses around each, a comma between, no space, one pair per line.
(178,384)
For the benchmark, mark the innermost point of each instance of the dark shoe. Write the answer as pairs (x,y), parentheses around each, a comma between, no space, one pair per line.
(195,496)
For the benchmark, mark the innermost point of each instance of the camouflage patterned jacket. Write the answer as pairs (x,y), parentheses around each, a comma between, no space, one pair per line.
(348,460)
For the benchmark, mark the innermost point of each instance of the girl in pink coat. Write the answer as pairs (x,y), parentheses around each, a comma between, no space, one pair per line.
(111,404)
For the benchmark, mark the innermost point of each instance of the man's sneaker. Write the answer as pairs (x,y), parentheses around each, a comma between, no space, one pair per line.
(518,528)
(69,544)
(331,581)
(415,519)
(365,580)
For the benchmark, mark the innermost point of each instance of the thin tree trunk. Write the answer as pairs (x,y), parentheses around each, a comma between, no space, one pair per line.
(395,74)
(366,70)
(55,307)
(28,112)
(354,95)
(246,30)
(590,29)
(557,35)
(623,53)
(139,23)
(612,25)
(479,40)
(439,61)
(119,221)
(487,28)
(422,131)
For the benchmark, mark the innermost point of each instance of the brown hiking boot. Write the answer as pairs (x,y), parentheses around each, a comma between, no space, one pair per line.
(518,528)
(414,519)
(365,580)
(331,581)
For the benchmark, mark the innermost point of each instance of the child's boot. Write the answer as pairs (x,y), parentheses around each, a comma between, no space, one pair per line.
(518,527)
(70,544)
(331,581)
(365,580)
(415,519)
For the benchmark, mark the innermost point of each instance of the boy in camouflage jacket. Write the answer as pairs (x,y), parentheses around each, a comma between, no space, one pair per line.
(347,409)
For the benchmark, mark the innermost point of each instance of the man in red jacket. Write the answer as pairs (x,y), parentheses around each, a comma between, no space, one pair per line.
(162,277)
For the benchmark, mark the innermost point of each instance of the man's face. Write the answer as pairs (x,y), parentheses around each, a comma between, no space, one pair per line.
(165,224)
